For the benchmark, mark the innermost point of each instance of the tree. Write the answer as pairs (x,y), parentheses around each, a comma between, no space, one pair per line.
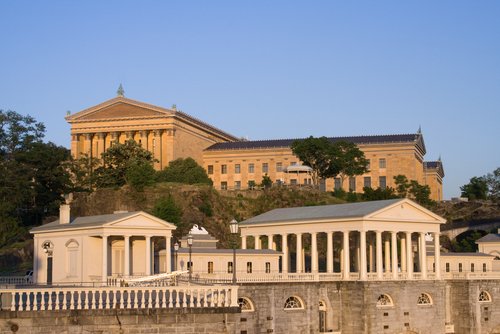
(328,159)
(402,185)
(184,171)
(83,177)
(493,182)
(266,182)
(370,194)
(412,189)
(167,209)
(477,188)
(117,160)
(140,175)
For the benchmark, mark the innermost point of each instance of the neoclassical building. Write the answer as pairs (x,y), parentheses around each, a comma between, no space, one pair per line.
(233,163)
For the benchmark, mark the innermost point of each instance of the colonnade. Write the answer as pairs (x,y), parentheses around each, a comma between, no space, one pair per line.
(156,141)
(148,254)
(375,255)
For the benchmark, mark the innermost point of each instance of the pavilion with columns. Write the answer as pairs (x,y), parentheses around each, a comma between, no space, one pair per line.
(376,240)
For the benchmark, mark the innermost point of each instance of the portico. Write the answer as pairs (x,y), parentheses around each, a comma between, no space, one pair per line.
(380,240)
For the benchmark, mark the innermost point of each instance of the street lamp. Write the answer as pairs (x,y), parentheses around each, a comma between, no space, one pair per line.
(233,225)
(190,264)
(176,249)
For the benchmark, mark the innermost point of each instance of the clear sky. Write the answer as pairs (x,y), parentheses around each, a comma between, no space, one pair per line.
(270,69)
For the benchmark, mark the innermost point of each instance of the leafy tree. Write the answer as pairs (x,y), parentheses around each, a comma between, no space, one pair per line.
(328,159)
(266,182)
(18,133)
(166,209)
(412,189)
(83,177)
(493,182)
(370,194)
(140,175)
(184,171)
(477,188)
(117,160)
(402,185)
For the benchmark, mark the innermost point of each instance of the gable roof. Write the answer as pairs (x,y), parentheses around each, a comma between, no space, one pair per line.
(133,110)
(91,221)
(278,143)
(489,238)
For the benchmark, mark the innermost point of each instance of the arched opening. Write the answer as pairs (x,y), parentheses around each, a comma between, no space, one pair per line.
(484,297)
(293,303)
(424,299)
(384,301)
(246,304)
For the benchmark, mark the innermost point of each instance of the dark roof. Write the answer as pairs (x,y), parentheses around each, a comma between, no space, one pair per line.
(476,254)
(273,143)
(336,211)
(438,165)
(489,238)
(89,221)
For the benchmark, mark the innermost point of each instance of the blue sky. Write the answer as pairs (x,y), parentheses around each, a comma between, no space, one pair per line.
(270,69)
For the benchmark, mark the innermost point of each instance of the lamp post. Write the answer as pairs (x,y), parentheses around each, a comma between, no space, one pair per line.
(176,249)
(233,225)
(190,264)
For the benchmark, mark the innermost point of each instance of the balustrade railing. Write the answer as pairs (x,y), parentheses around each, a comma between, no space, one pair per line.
(78,298)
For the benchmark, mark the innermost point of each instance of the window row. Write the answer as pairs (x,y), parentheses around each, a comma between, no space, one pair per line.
(461,267)
(291,303)
(210,267)
(367,183)
(385,300)
(279,167)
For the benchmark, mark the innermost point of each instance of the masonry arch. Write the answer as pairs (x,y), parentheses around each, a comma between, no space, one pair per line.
(246,304)
(294,303)
(384,300)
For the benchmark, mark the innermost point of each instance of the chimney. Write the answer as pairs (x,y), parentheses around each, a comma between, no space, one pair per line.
(65,210)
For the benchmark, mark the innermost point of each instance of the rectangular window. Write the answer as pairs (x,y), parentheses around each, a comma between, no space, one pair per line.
(472,267)
(459,267)
(293,182)
(251,168)
(249,267)
(367,182)
(381,163)
(265,167)
(352,184)
(484,267)
(268,267)
(434,267)
(230,267)
(237,185)
(223,185)
(210,267)
(251,184)
(447,267)
(337,185)
(223,169)
(293,163)
(210,169)
(279,166)
(237,169)
(382,182)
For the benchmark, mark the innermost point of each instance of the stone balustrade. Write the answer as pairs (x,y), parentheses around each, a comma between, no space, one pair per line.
(82,298)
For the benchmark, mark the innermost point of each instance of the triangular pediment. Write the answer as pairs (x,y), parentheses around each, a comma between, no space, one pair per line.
(141,220)
(406,210)
(119,108)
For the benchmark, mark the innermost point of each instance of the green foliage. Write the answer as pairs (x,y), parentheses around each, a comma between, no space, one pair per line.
(466,242)
(82,173)
(184,171)
(140,175)
(251,184)
(477,188)
(402,185)
(206,206)
(166,209)
(351,196)
(370,194)
(266,182)
(117,160)
(330,159)
(412,189)
(493,182)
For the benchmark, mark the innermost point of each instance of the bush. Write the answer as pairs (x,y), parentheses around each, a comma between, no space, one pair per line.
(184,171)
(140,175)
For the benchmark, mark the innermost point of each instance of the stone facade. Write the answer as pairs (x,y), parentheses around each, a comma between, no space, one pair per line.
(348,308)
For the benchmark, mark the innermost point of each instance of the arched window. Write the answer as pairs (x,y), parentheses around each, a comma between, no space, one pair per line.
(293,303)
(72,247)
(384,301)
(424,299)
(484,297)
(245,304)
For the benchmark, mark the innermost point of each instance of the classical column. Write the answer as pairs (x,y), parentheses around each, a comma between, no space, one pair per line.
(329,252)
(298,257)
(101,146)
(74,146)
(409,256)
(115,137)
(371,257)
(148,255)
(144,139)
(362,245)
(157,149)
(243,242)
(168,254)
(378,246)
(88,144)
(394,250)
(284,250)
(129,135)
(345,250)
(314,252)
(423,257)
(403,254)
(126,242)
(104,258)
(258,244)
(437,255)
(270,241)
(387,254)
